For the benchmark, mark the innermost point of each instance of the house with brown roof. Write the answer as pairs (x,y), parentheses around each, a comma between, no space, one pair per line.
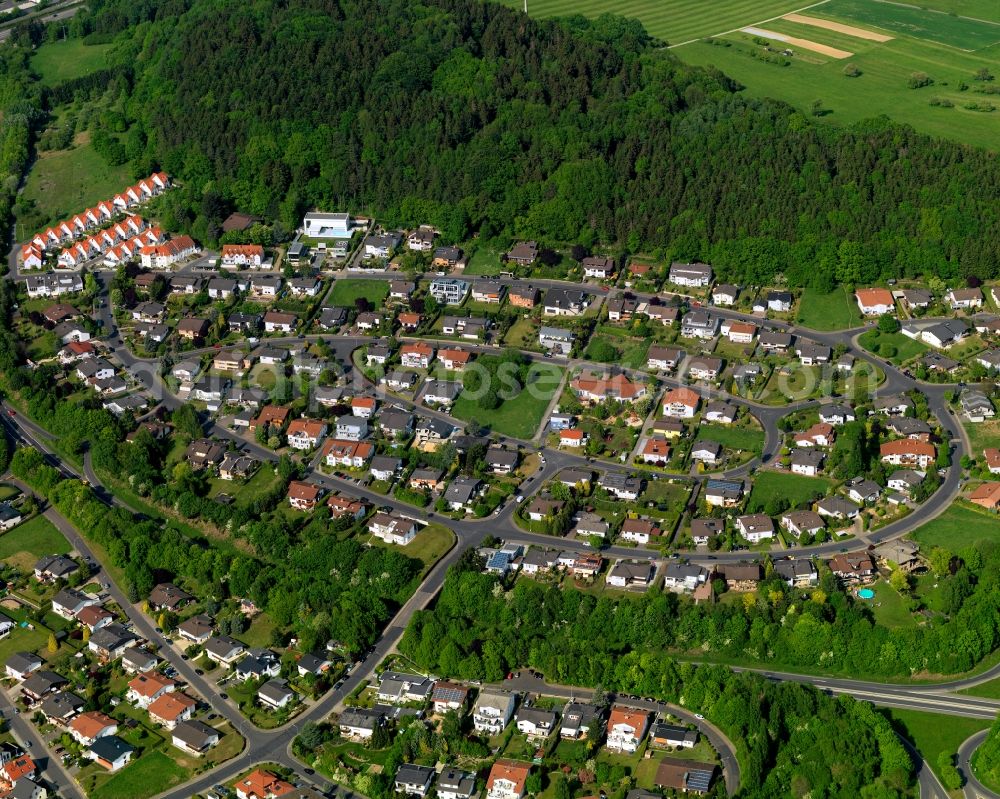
(593,388)
(192,328)
(303,496)
(147,687)
(507,780)
(260,784)
(171,708)
(627,727)
(88,727)
(986,496)
(685,776)
(853,567)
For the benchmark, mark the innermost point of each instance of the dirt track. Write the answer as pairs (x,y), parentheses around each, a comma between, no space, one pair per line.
(839,27)
(805,44)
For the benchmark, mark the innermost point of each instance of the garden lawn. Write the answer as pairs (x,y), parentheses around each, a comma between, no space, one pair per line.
(837,310)
(151,773)
(732,436)
(889,607)
(906,347)
(484,261)
(345,292)
(983,435)
(56,62)
(959,526)
(796,488)
(933,733)
(65,182)
(518,417)
(429,545)
(37,537)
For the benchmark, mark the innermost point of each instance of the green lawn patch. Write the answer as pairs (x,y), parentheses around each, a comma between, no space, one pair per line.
(151,773)
(429,545)
(259,633)
(484,261)
(893,347)
(983,435)
(988,690)
(959,526)
(934,733)
(796,488)
(837,310)
(65,182)
(518,417)
(345,292)
(56,62)
(732,436)
(889,608)
(37,537)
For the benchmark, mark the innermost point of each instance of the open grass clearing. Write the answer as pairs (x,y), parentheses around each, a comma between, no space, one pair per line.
(934,733)
(520,416)
(893,347)
(429,545)
(346,292)
(983,435)
(837,310)
(889,607)
(960,526)
(56,62)
(64,182)
(795,488)
(484,261)
(733,436)
(36,537)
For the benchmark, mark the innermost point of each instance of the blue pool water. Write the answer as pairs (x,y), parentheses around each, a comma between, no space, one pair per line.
(866,593)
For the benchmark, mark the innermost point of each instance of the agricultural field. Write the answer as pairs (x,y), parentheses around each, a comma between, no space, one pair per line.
(959,526)
(674,21)
(345,292)
(848,59)
(56,62)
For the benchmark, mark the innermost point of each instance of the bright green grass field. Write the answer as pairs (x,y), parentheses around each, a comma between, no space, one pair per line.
(345,292)
(65,182)
(957,527)
(135,779)
(37,536)
(61,61)
(837,310)
(934,733)
(920,23)
(880,89)
(732,437)
(796,488)
(518,417)
(674,21)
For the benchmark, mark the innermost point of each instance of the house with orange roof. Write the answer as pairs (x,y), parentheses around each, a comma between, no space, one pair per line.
(409,320)
(349,454)
(627,727)
(820,434)
(986,496)
(31,256)
(161,180)
(681,403)
(260,784)
(573,437)
(908,452)
(165,255)
(592,388)
(455,360)
(875,302)
(417,354)
(656,450)
(172,708)
(242,256)
(739,332)
(306,434)
(147,687)
(303,496)
(507,780)
(274,415)
(992,458)
(88,727)
(363,407)
(16,769)
(346,506)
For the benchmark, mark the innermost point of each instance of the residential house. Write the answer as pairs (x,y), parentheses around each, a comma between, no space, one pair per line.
(590,387)
(275,694)
(523,253)
(260,784)
(489,292)
(725,294)
(147,687)
(578,719)
(723,493)
(964,299)
(534,722)
(684,577)
(110,752)
(681,403)
(699,324)
(278,322)
(136,660)
(523,295)
(565,302)
(673,736)
(359,724)
(798,522)
(455,784)
(447,696)
(171,708)
(875,301)
(507,780)
(837,508)
(631,574)
(685,776)
(627,727)
(664,359)
(412,780)
(908,452)
(396,688)
(695,275)
(797,572)
(224,650)
(755,527)
(392,529)
(806,462)
(306,434)
(986,495)
(556,340)
(449,291)
(194,737)
(863,491)
(853,567)
(492,711)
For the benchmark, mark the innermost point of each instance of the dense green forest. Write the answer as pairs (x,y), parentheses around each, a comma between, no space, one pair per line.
(472,117)
(792,741)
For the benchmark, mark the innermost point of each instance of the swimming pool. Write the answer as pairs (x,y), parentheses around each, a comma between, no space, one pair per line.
(866,593)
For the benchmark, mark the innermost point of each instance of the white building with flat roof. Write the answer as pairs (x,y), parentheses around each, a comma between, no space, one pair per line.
(318,225)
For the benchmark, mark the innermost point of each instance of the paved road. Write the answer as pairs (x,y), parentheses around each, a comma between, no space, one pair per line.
(974,789)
